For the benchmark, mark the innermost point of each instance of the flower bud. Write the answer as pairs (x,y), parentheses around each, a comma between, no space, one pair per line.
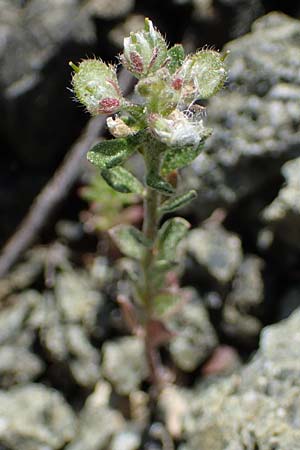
(96,86)
(118,127)
(177,130)
(144,51)
(201,75)
(159,92)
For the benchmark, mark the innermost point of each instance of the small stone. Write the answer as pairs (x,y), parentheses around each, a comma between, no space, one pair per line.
(194,338)
(35,417)
(124,364)
(244,302)
(216,252)
(97,422)
(283,214)
(126,440)
(173,402)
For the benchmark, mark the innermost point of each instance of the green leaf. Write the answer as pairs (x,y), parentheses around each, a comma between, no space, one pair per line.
(111,153)
(122,181)
(176,202)
(169,236)
(157,182)
(176,158)
(129,240)
(159,270)
(176,55)
(165,301)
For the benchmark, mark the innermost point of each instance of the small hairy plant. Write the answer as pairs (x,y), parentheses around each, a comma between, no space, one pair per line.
(166,129)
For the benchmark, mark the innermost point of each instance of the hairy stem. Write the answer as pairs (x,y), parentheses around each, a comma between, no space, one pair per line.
(150,228)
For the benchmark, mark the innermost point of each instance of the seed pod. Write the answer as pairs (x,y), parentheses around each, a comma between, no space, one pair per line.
(201,75)
(144,51)
(96,86)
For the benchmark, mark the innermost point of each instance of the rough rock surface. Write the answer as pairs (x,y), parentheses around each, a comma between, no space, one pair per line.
(97,422)
(35,417)
(283,214)
(259,407)
(244,302)
(124,364)
(255,119)
(216,252)
(195,338)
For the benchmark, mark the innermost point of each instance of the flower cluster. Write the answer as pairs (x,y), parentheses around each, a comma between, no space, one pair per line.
(169,84)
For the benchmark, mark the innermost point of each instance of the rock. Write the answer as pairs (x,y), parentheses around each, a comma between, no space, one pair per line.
(18,365)
(195,338)
(97,422)
(78,301)
(106,9)
(126,440)
(124,364)
(15,313)
(69,343)
(216,252)
(35,417)
(173,404)
(243,304)
(257,408)
(283,214)
(255,121)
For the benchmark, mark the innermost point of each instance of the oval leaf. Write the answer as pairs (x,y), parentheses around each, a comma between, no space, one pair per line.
(122,181)
(111,153)
(129,240)
(159,184)
(170,234)
(176,158)
(176,202)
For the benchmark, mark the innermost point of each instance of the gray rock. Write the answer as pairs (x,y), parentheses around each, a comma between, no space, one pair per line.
(216,252)
(68,340)
(106,9)
(126,440)
(257,408)
(255,119)
(124,364)
(18,365)
(35,417)
(77,299)
(283,214)
(243,304)
(97,422)
(195,338)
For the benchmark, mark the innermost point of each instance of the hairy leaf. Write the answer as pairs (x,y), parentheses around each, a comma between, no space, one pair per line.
(169,236)
(176,202)
(111,153)
(156,182)
(176,158)
(122,181)
(130,240)
(176,55)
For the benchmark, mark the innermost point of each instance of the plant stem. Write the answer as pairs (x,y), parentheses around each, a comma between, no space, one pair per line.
(150,228)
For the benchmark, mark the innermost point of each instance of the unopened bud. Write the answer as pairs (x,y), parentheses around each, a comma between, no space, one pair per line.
(96,86)
(118,127)
(144,51)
